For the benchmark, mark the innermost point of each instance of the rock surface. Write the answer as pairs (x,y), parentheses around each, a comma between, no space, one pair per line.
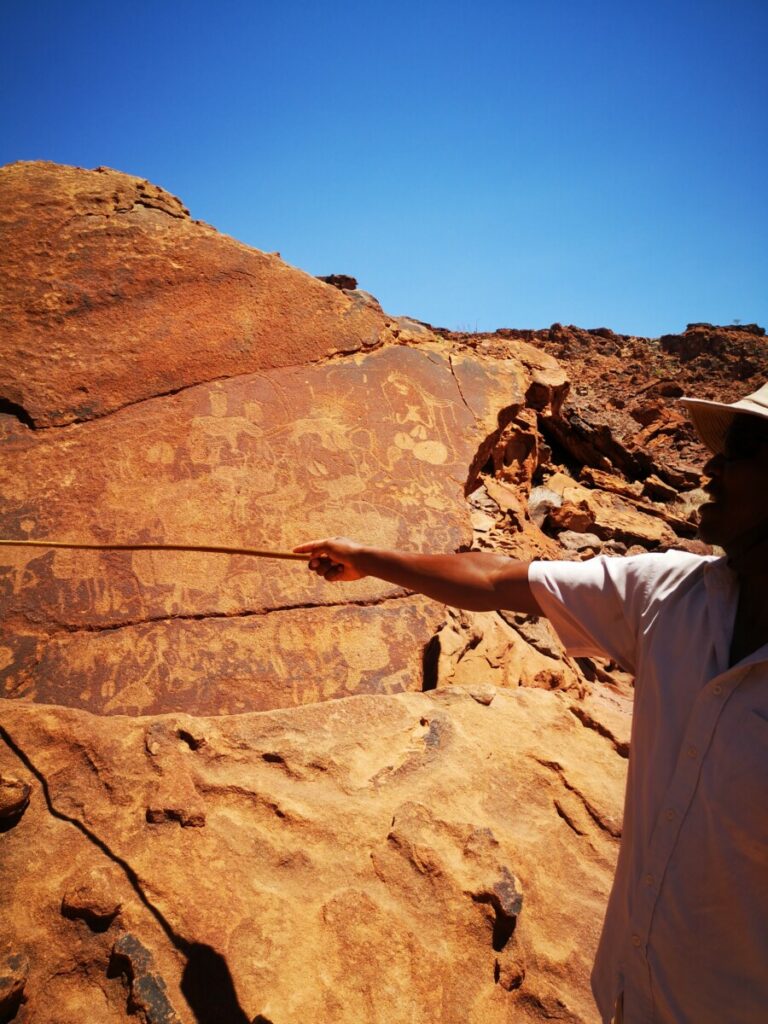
(379,443)
(478,839)
(131,298)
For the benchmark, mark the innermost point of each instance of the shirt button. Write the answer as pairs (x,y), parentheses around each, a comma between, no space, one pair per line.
(649,879)
(636,940)
(692,752)
(717,689)
(669,814)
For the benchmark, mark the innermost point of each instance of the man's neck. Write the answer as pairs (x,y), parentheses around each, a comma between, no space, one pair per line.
(748,558)
(748,554)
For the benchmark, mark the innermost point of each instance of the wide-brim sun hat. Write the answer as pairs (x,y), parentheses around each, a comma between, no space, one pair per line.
(713,419)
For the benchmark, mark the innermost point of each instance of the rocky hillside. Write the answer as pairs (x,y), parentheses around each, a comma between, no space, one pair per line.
(229,792)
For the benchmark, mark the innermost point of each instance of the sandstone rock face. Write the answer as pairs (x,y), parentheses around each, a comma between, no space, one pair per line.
(113,294)
(379,444)
(420,857)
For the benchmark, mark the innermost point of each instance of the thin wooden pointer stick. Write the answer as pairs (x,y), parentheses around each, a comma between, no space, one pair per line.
(218,550)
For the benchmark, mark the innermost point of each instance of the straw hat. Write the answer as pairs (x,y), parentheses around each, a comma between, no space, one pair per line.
(712,419)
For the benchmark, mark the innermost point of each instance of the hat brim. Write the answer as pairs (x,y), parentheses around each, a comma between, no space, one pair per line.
(712,421)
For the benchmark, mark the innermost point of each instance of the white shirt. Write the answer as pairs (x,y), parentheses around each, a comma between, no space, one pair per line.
(685,935)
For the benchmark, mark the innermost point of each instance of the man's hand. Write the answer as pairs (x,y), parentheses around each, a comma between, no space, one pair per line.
(336,559)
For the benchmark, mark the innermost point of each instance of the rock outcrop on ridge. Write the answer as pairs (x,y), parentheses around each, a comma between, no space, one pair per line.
(218,801)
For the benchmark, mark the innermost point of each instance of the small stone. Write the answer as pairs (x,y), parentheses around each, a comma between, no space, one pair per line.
(541,501)
(573,517)
(91,900)
(573,541)
(483,694)
(149,993)
(14,797)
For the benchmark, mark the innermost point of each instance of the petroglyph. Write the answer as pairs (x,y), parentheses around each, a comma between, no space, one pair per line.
(374,446)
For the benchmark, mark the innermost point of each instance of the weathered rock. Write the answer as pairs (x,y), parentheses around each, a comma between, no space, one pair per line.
(89,897)
(657,490)
(256,461)
(541,501)
(14,797)
(610,482)
(342,281)
(613,374)
(549,384)
(14,970)
(451,826)
(501,649)
(573,517)
(147,989)
(606,515)
(573,541)
(113,295)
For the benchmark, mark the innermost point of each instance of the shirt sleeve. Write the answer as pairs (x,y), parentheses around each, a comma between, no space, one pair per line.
(602,606)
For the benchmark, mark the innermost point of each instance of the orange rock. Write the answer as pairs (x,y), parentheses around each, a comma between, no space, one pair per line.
(478,837)
(605,514)
(260,460)
(112,295)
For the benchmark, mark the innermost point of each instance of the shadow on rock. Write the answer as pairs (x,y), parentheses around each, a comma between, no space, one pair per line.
(208,988)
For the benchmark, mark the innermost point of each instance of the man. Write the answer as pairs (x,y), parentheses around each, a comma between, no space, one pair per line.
(685,937)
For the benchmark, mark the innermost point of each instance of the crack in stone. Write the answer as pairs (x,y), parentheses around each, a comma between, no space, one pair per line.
(594,814)
(567,818)
(71,629)
(78,421)
(206,984)
(458,385)
(621,748)
(333,357)
(91,836)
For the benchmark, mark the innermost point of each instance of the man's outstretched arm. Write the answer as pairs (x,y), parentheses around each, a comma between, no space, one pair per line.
(476,580)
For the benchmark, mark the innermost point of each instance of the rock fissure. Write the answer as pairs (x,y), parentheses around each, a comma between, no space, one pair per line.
(206,983)
(589,722)
(458,385)
(567,818)
(599,820)
(9,408)
(91,836)
(73,629)
(107,413)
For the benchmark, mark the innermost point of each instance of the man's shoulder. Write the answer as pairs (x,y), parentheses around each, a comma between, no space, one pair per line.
(641,581)
(652,566)
(668,563)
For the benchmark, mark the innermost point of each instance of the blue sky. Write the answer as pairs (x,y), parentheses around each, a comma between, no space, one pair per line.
(476,165)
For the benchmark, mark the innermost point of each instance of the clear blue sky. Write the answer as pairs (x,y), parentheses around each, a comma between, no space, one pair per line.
(476,165)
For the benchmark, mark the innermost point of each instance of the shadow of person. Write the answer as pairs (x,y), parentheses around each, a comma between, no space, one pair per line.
(207,986)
